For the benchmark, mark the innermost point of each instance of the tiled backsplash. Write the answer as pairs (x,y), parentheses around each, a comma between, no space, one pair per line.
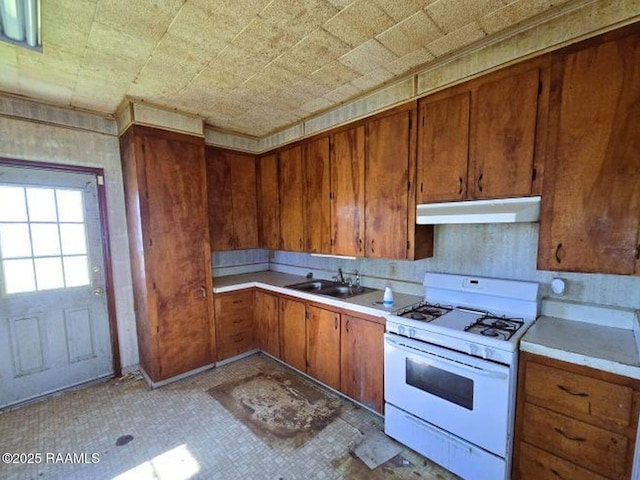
(495,250)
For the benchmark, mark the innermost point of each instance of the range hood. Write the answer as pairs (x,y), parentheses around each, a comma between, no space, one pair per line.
(505,210)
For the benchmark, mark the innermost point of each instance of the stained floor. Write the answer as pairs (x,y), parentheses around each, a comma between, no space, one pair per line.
(191,429)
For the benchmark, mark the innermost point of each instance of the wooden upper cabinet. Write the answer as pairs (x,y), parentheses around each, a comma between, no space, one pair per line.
(590,219)
(317,192)
(485,138)
(347,191)
(443,148)
(503,136)
(233,212)
(387,185)
(323,345)
(292,199)
(269,202)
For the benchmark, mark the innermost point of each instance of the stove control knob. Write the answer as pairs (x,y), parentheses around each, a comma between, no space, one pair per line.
(487,353)
(401,330)
(474,350)
(412,332)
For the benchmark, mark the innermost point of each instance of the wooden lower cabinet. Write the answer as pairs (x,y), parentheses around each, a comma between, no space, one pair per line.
(234,323)
(267,323)
(293,348)
(573,422)
(361,361)
(323,345)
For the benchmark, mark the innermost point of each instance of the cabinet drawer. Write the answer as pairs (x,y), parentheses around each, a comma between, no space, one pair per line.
(592,447)
(535,463)
(234,305)
(236,343)
(568,392)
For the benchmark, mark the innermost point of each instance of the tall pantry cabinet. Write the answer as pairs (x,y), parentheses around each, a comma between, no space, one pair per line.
(166,205)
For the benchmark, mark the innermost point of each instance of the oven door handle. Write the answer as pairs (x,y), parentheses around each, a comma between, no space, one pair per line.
(449,363)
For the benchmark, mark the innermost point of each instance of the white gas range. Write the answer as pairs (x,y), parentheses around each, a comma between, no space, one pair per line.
(451,369)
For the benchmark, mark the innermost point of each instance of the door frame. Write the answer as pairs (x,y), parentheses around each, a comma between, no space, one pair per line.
(106,244)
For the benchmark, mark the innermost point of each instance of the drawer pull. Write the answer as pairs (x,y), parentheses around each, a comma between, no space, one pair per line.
(575,394)
(557,474)
(236,302)
(569,437)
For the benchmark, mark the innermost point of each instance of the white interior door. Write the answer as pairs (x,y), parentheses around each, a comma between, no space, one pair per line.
(54,324)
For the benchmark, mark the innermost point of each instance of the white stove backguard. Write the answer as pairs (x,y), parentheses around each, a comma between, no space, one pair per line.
(498,296)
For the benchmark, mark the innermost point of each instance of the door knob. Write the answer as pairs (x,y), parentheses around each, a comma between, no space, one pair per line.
(98,291)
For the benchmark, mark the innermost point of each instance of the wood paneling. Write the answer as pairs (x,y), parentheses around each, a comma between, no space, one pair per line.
(443,148)
(167,210)
(267,323)
(590,219)
(317,171)
(269,202)
(362,360)
(292,199)
(293,333)
(323,345)
(347,180)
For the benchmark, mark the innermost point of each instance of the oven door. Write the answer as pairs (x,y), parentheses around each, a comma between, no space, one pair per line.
(464,395)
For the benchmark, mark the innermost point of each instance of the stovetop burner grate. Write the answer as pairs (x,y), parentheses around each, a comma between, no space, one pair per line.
(491,325)
(424,311)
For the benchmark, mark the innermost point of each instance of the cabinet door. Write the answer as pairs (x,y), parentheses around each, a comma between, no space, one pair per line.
(177,252)
(362,360)
(317,191)
(234,323)
(347,185)
(323,345)
(443,149)
(387,186)
(293,333)
(269,202)
(292,199)
(503,134)
(267,323)
(591,201)
(245,209)
(220,191)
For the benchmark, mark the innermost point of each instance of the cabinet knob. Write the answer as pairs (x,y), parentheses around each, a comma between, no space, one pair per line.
(460,186)
(638,252)
(203,291)
(373,250)
(569,437)
(480,182)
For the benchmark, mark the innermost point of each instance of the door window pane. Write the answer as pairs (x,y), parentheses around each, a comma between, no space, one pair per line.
(76,271)
(70,206)
(18,276)
(73,239)
(14,208)
(49,273)
(42,204)
(45,239)
(14,240)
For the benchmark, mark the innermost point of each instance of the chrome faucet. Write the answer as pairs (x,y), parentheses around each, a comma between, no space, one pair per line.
(340,276)
(356,279)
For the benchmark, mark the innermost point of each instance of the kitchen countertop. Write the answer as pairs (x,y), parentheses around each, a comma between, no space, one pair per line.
(603,347)
(276,282)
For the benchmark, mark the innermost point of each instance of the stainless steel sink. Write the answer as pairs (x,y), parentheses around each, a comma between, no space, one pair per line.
(330,288)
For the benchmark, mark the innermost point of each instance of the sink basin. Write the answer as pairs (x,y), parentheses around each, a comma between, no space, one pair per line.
(314,285)
(330,288)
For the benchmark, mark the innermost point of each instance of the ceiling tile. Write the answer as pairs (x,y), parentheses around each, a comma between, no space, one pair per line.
(264,39)
(410,61)
(514,13)
(415,31)
(455,40)
(66,25)
(119,44)
(312,53)
(334,74)
(195,26)
(359,22)
(227,18)
(343,93)
(450,15)
(367,57)
(399,10)
(299,17)
(373,79)
(316,105)
(151,17)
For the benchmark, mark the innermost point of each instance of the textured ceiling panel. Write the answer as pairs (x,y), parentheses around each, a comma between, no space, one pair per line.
(249,66)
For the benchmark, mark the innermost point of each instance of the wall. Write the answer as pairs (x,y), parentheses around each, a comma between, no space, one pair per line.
(30,131)
(503,251)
